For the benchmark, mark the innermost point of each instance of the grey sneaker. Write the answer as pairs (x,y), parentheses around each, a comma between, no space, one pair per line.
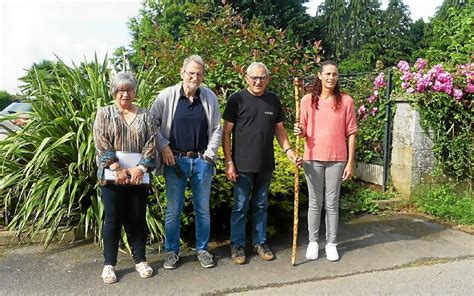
(205,258)
(238,254)
(171,260)
(263,250)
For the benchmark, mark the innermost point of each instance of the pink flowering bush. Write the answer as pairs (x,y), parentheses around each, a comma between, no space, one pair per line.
(443,97)
(418,79)
(370,112)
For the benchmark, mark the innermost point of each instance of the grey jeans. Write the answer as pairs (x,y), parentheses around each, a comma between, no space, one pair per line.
(324,184)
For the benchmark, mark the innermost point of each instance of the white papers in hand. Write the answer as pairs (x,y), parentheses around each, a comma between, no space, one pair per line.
(126,160)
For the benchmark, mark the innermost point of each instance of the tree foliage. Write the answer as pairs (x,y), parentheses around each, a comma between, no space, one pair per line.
(5,99)
(395,33)
(287,15)
(450,38)
(357,33)
(235,44)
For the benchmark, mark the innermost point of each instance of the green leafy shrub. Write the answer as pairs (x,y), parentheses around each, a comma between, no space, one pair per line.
(357,199)
(446,202)
(227,43)
(47,169)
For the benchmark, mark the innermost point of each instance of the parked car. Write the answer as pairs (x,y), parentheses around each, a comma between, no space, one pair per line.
(8,126)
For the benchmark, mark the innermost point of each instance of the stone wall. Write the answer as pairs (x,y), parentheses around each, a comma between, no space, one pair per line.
(412,158)
(371,173)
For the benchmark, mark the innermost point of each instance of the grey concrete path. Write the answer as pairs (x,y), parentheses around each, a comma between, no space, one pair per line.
(387,255)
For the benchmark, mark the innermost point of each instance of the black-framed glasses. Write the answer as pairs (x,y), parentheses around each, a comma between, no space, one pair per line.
(194,74)
(255,78)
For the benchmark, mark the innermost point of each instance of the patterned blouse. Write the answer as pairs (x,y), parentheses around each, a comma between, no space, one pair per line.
(112,133)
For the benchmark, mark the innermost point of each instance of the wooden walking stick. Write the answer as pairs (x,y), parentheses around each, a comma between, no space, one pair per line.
(297,84)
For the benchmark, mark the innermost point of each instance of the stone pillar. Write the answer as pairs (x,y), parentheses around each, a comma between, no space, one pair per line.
(412,157)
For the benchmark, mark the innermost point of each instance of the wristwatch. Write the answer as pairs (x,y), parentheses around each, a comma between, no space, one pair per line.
(114,169)
(143,168)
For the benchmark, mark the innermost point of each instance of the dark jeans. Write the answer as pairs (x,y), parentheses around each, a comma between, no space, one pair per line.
(124,206)
(250,188)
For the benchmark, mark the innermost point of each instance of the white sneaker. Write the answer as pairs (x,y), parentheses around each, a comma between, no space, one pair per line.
(144,269)
(108,274)
(331,252)
(312,251)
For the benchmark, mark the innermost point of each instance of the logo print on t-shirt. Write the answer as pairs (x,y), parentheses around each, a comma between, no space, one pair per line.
(268,112)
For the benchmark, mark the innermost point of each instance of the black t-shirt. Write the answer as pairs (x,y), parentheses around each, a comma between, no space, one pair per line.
(254,119)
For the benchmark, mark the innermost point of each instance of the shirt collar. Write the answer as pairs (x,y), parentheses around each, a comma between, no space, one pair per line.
(183,95)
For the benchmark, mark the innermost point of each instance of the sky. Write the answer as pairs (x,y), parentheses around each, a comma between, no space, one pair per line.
(74,30)
(418,8)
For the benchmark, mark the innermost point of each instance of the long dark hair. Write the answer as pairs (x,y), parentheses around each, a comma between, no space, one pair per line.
(318,88)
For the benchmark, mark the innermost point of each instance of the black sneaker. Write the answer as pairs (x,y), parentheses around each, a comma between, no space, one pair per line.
(171,260)
(237,254)
(205,258)
(263,250)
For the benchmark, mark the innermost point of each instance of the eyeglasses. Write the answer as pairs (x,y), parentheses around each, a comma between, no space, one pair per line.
(122,91)
(255,78)
(193,74)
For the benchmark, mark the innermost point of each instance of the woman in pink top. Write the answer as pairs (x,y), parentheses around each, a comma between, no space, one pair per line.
(327,122)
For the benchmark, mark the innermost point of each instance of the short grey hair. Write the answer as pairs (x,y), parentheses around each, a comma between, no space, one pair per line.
(257,65)
(194,58)
(123,79)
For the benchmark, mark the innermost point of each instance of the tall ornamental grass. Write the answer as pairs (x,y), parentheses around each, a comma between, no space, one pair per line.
(48,177)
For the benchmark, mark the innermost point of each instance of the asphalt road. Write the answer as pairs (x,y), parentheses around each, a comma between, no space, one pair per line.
(380,255)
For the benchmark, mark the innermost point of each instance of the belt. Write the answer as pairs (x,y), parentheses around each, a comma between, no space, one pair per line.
(190,154)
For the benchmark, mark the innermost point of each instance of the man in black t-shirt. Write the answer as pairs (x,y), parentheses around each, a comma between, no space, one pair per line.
(253,117)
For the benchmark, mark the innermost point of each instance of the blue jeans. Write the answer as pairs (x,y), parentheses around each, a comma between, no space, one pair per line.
(199,173)
(124,205)
(254,187)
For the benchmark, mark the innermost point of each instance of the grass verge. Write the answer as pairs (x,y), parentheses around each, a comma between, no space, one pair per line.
(447,202)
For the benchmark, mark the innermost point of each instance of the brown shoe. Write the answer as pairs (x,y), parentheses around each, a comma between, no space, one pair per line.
(264,251)
(238,254)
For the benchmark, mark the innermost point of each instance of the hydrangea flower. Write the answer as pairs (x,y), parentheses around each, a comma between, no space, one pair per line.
(374,111)
(372,99)
(422,84)
(458,94)
(470,88)
(361,111)
(407,76)
(379,81)
(405,85)
(437,86)
(435,71)
(445,77)
(420,64)
(403,66)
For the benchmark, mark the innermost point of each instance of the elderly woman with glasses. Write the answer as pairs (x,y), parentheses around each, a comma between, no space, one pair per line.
(124,133)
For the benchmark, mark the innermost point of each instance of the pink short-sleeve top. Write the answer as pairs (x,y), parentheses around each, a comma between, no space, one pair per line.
(326,129)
